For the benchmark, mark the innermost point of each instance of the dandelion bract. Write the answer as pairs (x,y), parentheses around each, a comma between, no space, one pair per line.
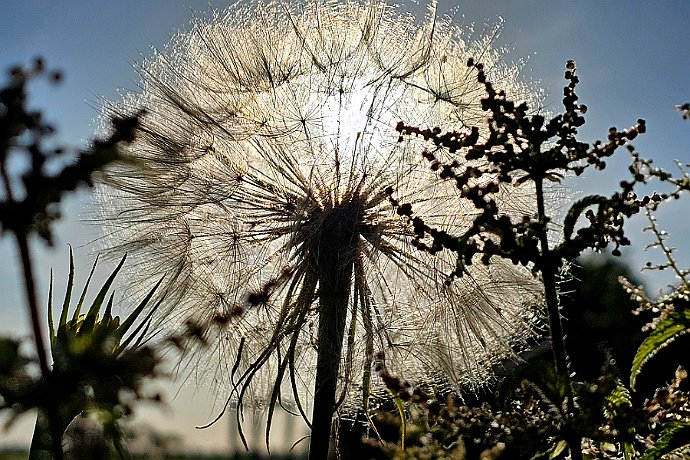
(264,165)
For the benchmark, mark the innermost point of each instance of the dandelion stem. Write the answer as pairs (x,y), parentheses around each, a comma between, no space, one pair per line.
(334,253)
(333,301)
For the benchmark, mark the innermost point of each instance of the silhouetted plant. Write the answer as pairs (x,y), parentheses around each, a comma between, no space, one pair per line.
(525,423)
(671,311)
(521,148)
(34,180)
(99,365)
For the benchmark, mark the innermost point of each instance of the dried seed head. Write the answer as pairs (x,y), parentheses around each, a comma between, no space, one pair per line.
(267,156)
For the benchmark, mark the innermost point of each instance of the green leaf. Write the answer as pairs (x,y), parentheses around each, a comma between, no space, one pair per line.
(92,314)
(675,436)
(105,327)
(667,330)
(619,400)
(629,451)
(75,316)
(51,326)
(107,314)
(68,293)
(577,209)
(558,449)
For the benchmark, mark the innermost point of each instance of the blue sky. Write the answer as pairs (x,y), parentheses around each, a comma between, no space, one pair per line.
(632,59)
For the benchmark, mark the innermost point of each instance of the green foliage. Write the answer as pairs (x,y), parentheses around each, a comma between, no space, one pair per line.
(664,333)
(675,437)
(93,366)
(672,311)
(98,369)
(442,427)
(527,148)
(83,332)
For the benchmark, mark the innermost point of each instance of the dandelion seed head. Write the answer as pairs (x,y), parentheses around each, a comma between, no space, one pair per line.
(264,160)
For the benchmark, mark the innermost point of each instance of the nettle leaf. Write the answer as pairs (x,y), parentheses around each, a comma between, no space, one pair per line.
(674,437)
(558,449)
(619,400)
(667,330)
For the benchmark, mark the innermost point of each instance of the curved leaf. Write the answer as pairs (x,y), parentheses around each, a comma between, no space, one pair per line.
(577,209)
(92,315)
(77,311)
(68,292)
(51,326)
(675,436)
(669,328)
(137,311)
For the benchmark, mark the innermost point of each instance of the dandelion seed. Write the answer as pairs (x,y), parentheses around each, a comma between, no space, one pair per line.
(265,158)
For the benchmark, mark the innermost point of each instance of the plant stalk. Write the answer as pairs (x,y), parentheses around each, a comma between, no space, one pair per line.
(53,427)
(334,293)
(548,273)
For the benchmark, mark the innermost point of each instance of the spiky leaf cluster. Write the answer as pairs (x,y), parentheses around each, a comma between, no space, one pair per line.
(99,366)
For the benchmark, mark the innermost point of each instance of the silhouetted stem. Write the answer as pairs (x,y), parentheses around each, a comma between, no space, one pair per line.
(51,424)
(30,288)
(548,273)
(334,293)
(549,279)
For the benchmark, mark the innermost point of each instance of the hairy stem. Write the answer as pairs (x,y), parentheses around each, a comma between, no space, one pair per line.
(668,252)
(548,273)
(549,279)
(334,292)
(30,289)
